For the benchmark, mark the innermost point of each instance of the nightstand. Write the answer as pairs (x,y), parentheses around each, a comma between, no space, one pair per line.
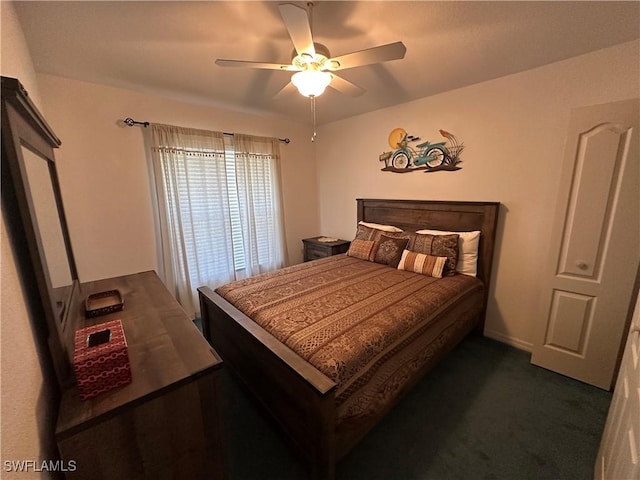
(314,249)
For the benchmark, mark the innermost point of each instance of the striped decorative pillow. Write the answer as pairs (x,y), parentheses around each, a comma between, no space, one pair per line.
(421,263)
(362,249)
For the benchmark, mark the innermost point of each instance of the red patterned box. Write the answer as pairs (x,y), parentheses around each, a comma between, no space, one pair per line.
(101,358)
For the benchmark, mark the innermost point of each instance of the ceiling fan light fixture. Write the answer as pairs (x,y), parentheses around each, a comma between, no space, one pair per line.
(311,83)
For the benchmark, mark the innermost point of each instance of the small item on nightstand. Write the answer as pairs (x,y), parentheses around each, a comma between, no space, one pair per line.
(101,358)
(327,239)
(102,303)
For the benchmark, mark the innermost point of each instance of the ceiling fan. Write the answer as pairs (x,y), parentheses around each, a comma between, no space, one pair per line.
(312,61)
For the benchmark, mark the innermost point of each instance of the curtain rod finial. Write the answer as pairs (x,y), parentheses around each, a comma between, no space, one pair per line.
(131,122)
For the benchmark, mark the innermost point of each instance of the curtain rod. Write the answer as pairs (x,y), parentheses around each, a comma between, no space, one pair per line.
(131,122)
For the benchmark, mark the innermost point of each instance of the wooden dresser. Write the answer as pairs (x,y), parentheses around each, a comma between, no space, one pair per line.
(166,422)
(314,249)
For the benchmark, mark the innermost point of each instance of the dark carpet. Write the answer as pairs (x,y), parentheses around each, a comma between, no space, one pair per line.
(484,413)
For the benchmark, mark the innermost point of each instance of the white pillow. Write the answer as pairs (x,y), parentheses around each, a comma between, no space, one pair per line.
(384,228)
(467,250)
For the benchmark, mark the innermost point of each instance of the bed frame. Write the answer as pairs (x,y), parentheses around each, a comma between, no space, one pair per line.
(301,398)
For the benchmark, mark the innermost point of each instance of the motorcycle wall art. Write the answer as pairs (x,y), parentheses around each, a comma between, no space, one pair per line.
(426,156)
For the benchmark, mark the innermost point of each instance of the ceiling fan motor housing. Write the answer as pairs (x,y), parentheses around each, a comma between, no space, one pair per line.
(304,60)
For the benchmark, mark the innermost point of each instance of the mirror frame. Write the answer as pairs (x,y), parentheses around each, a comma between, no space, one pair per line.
(24,126)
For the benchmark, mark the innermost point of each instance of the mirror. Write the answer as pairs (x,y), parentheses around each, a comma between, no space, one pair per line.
(47,220)
(32,205)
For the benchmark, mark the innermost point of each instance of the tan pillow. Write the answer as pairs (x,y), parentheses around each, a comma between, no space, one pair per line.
(424,264)
(363,249)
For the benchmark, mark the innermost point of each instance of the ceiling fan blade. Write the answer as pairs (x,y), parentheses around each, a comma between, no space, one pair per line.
(345,86)
(297,22)
(382,53)
(242,63)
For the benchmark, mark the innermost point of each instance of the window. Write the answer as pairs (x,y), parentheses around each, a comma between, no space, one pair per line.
(219,208)
(234,205)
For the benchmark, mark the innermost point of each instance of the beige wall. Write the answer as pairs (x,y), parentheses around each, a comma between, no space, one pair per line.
(514,131)
(26,409)
(104,174)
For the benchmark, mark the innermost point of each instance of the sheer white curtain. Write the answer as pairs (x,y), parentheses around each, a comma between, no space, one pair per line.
(219,215)
(257,162)
(195,229)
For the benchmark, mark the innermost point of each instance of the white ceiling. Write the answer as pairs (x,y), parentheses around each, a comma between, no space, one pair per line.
(169,48)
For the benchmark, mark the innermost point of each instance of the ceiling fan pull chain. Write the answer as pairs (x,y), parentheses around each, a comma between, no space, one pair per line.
(313,112)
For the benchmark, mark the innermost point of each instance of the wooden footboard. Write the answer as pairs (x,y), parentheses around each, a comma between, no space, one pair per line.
(300,398)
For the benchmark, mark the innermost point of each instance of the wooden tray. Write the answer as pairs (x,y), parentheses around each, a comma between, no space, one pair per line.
(102,303)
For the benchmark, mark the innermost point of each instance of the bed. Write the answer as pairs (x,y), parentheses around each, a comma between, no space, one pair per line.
(328,347)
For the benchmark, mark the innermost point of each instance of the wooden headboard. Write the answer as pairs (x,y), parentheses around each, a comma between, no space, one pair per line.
(415,215)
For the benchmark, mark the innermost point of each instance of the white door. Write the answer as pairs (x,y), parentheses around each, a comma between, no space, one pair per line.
(619,454)
(594,247)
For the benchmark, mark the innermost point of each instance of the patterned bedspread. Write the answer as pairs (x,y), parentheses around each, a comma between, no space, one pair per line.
(364,325)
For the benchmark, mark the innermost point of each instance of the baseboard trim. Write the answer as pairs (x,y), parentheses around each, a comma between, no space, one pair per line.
(514,342)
